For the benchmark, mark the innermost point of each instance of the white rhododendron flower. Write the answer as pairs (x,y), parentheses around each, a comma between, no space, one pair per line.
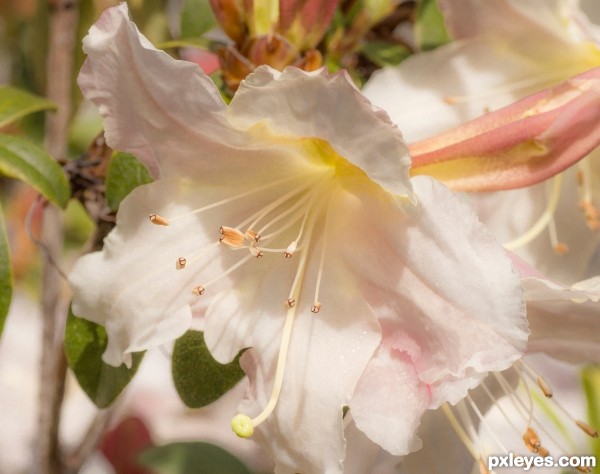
(286,222)
(503,51)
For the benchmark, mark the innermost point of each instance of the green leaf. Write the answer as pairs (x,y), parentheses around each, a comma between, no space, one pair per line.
(430,30)
(125,173)
(29,163)
(200,379)
(185,458)
(196,18)
(85,343)
(384,54)
(16,103)
(5,275)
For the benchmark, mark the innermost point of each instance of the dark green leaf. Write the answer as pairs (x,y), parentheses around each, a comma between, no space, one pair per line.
(200,379)
(196,18)
(23,160)
(125,173)
(384,54)
(186,458)
(85,343)
(16,103)
(5,275)
(430,30)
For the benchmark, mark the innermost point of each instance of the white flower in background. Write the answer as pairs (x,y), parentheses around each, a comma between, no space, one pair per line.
(287,223)
(505,50)
(565,325)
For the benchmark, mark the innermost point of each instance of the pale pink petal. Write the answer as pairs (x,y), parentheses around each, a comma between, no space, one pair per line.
(292,103)
(564,321)
(441,332)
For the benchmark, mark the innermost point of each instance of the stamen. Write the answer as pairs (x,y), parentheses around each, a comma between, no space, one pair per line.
(537,378)
(460,431)
(198,290)
(532,440)
(559,247)
(543,452)
(587,429)
(484,422)
(584,469)
(255,252)
(239,196)
(180,264)
(315,308)
(289,251)
(232,237)
(158,220)
(231,269)
(543,221)
(251,235)
(284,346)
(546,389)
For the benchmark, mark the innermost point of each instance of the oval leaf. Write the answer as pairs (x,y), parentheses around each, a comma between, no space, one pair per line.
(200,379)
(5,275)
(197,18)
(15,103)
(125,173)
(21,159)
(430,30)
(85,343)
(184,458)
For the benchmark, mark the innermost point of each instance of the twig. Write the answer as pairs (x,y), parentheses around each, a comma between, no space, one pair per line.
(62,33)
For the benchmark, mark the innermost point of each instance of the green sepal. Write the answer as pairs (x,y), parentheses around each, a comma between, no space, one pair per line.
(5,275)
(125,173)
(16,103)
(85,343)
(21,159)
(199,379)
(186,458)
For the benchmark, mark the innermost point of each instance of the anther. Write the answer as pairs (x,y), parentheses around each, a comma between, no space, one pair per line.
(544,387)
(584,469)
(532,440)
(561,248)
(316,307)
(289,251)
(291,302)
(251,235)
(198,290)
(254,251)
(590,431)
(158,220)
(181,261)
(543,452)
(232,237)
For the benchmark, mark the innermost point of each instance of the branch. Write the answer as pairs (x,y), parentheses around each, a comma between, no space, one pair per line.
(62,33)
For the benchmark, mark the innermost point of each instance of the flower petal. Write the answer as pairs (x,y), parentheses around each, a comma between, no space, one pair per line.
(133,287)
(564,321)
(435,91)
(293,103)
(519,145)
(449,331)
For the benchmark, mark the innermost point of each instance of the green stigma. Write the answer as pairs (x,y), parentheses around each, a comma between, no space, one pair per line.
(242,426)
